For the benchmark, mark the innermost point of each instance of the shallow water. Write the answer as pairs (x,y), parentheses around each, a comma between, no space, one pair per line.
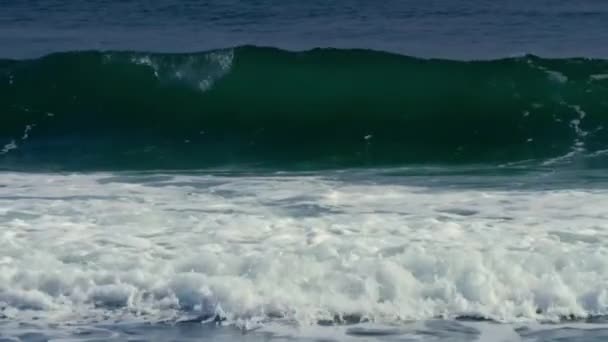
(422,331)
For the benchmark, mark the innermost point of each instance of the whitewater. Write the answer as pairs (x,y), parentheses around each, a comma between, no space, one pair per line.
(288,252)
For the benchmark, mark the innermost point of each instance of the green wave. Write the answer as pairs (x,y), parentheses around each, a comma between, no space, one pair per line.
(318,108)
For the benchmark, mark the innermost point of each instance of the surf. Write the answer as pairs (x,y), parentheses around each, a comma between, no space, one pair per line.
(321,108)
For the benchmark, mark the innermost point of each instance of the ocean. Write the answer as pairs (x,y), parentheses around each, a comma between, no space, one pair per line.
(258,170)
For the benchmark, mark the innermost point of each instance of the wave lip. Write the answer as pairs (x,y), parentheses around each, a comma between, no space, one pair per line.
(323,107)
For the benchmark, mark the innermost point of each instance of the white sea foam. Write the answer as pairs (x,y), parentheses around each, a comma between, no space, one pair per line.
(303,248)
(599,77)
(553,75)
(578,146)
(26,131)
(200,71)
(12,145)
(8,147)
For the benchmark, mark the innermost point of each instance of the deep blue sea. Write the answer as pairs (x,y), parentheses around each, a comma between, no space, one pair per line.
(323,170)
(435,28)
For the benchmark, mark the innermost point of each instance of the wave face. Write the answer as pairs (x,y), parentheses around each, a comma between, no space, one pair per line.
(319,108)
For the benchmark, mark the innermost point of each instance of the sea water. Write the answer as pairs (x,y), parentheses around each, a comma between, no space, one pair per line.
(290,171)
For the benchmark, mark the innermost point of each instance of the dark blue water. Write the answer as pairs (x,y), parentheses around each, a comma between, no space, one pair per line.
(438,28)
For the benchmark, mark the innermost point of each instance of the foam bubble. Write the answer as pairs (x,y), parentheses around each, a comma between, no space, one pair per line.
(199,71)
(8,147)
(251,248)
